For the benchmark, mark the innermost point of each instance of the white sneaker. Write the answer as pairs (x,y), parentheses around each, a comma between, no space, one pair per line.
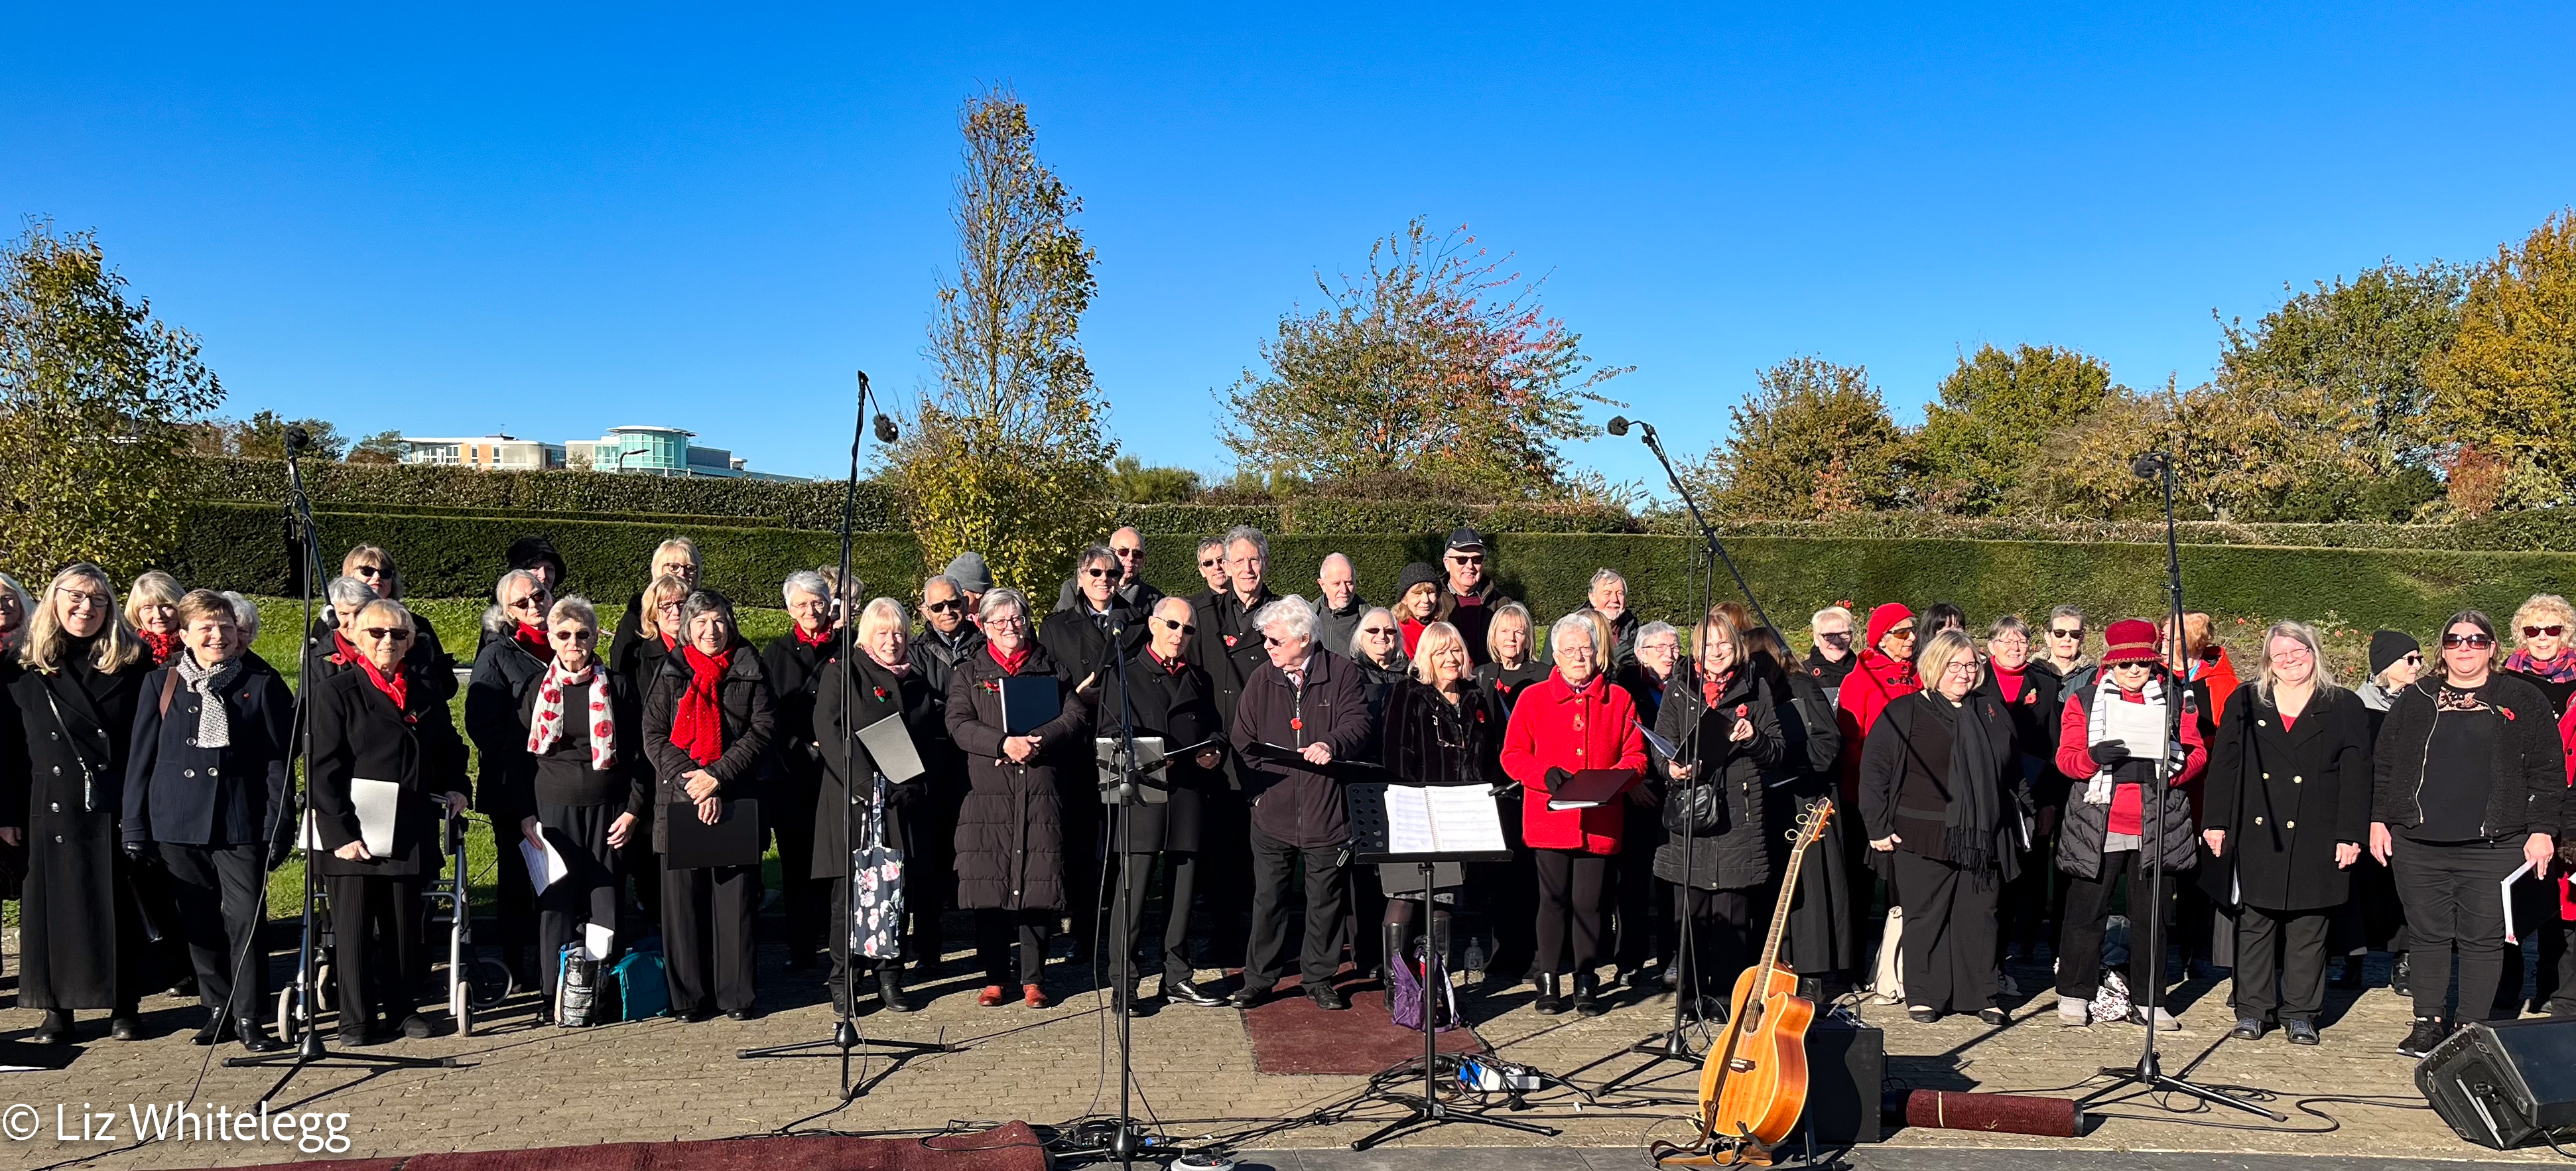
(2165,1021)
(2072,1011)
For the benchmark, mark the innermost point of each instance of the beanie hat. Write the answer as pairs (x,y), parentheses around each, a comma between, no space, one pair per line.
(1884,619)
(2130,640)
(969,572)
(1418,573)
(2388,646)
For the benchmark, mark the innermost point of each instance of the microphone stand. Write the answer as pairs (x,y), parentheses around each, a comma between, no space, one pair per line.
(1122,793)
(1619,425)
(308,1049)
(1674,1043)
(846,1037)
(2148,1075)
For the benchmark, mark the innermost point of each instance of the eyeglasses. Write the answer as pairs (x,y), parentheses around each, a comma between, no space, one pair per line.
(949,606)
(2054,632)
(2475,642)
(1901,632)
(2291,655)
(2413,659)
(1183,627)
(387,634)
(2553,630)
(531,602)
(1275,640)
(1095,572)
(1210,562)
(2011,644)
(1387,631)
(76,597)
(1836,637)
(1005,621)
(1466,559)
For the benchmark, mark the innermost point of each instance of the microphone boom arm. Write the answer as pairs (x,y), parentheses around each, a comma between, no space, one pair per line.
(1706,533)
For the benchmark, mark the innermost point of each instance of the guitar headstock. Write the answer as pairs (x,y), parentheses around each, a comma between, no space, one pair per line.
(1811,824)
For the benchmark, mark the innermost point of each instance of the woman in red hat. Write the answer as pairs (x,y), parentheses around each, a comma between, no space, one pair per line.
(1886,671)
(2106,831)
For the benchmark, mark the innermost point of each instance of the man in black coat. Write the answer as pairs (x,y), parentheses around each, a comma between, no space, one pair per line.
(1229,650)
(1132,591)
(1166,696)
(1307,700)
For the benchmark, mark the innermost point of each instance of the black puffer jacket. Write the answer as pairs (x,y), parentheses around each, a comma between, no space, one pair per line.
(1010,831)
(2530,778)
(1737,852)
(750,728)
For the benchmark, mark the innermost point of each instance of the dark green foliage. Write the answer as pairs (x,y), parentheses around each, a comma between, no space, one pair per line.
(1131,482)
(815,505)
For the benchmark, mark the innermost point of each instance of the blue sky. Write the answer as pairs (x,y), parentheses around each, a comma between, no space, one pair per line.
(463,221)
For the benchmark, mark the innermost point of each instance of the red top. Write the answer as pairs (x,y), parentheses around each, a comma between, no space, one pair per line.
(1412,634)
(2075,756)
(1555,726)
(2010,682)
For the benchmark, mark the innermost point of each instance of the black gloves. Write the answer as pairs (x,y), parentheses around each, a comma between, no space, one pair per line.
(277,852)
(1558,778)
(137,852)
(2110,752)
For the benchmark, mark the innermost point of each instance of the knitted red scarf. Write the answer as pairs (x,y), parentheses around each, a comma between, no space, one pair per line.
(698,727)
(163,645)
(533,639)
(814,640)
(1010,663)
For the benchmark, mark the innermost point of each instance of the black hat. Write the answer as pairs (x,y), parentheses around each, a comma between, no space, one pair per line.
(2388,646)
(1464,537)
(532,551)
(1418,573)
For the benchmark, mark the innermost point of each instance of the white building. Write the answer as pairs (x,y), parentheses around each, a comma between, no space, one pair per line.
(485,453)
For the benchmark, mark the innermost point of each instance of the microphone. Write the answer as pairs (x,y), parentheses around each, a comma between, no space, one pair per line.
(297,440)
(885,428)
(2148,466)
(1618,424)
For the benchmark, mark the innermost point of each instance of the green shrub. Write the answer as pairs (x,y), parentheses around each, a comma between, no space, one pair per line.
(810,505)
(2533,530)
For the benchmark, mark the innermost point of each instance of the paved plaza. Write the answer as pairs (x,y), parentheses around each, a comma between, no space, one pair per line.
(522,1086)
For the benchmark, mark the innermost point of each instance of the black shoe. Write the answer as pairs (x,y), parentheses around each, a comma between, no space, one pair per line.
(1642,980)
(364,1039)
(2426,1034)
(1923,1016)
(2300,1031)
(218,1027)
(890,986)
(1551,994)
(697,1015)
(746,1013)
(1994,1016)
(257,1040)
(1251,995)
(1587,995)
(1189,993)
(1672,976)
(418,1027)
(125,1028)
(57,1029)
(2247,1029)
(1327,997)
(2399,973)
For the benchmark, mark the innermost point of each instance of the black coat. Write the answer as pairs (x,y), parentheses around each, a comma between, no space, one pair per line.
(796,669)
(2530,769)
(1010,830)
(1905,782)
(750,719)
(2036,720)
(1425,740)
(1177,706)
(1377,684)
(1824,914)
(874,693)
(496,702)
(1293,804)
(357,732)
(1076,639)
(62,783)
(1737,853)
(936,657)
(1227,647)
(2265,781)
(237,795)
(1507,684)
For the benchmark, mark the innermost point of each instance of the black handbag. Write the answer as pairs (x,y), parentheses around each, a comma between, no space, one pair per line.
(1696,810)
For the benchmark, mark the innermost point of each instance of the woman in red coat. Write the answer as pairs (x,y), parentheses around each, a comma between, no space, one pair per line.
(1885,672)
(1576,720)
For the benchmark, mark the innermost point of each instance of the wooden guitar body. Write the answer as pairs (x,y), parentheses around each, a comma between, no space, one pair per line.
(1765,1086)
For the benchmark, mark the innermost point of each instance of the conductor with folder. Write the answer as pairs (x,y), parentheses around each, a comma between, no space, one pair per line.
(1300,712)
(708,722)
(385,752)
(1170,699)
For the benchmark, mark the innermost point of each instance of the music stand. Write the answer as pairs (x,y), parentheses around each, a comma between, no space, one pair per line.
(1370,843)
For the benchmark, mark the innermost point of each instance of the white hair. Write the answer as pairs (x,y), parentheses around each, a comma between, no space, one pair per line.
(885,612)
(1831,612)
(1658,630)
(1372,612)
(1576,623)
(1292,617)
(995,600)
(518,575)
(805,581)
(245,613)
(349,590)
(1605,577)
(1260,544)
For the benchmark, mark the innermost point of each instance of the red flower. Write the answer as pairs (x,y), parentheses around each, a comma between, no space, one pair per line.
(880,694)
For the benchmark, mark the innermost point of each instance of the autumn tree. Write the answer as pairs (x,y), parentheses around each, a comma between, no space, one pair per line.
(386,447)
(1131,482)
(1436,361)
(95,395)
(1006,454)
(2506,385)
(1982,430)
(1813,439)
(2366,344)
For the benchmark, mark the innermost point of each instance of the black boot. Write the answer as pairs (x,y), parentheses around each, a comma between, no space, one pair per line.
(1391,936)
(56,1030)
(890,986)
(1587,995)
(1551,994)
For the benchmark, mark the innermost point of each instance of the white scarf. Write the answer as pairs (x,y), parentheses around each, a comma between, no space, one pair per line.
(2098,792)
(214,725)
(547,728)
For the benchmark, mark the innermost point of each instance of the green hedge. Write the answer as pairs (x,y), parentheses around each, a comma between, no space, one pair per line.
(815,505)
(1314,515)
(2547,529)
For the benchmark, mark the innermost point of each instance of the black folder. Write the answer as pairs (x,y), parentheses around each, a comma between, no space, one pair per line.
(1589,788)
(734,840)
(1029,702)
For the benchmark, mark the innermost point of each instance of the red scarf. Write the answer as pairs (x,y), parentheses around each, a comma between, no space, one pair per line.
(533,639)
(347,652)
(698,727)
(813,640)
(1012,664)
(397,689)
(669,643)
(1713,688)
(163,645)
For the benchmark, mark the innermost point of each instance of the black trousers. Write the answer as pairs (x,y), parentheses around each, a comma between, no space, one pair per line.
(1949,940)
(2372,919)
(1083,864)
(2032,901)
(379,948)
(1274,863)
(2451,909)
(588,893)
(930,879)
(994,930)
(2535,919)
(220,892)
(514,899)
(1637,920)
(2088,916)
(1721,939)
(1180,883)
(805,900)
(1225,875)
(707,917)
(2287,948)
(1572,906)
(1508,892)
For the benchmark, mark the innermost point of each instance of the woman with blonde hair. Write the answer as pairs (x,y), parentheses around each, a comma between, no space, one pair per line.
(1440,729)
(1723,718)
(152,609)
(2542,628)
(2293,750)
(881,684)
(656,625)
(64,737)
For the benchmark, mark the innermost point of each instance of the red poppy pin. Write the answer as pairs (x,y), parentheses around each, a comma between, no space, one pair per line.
(1740,711)
(880,694)
(1229,640)
(1296,725)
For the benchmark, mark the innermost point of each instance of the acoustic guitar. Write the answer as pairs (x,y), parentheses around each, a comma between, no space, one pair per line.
(1754,1084)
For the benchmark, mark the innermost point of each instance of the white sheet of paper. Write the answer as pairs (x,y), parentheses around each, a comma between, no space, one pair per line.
(379,804)
(1408,821)
(1663,748)
(2504,890)
(2141,726)
(596,939)
(546,866)
(1465,819)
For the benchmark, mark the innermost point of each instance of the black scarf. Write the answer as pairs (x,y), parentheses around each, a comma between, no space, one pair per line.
(1975,812)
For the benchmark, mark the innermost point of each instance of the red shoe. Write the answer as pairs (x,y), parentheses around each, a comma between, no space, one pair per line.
(1034,996)
(990,997)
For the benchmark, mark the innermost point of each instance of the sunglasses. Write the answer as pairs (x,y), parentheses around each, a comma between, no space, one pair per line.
(1127,553)
(2413,659)
(531,602)
(1095,573)
(1210,562)
(2475,642)
(1274,640)
(2553,630)
(387,634)
(1901,632)
(1836,636)
(2077,632)
(1183,627)
(368,571)
(1466,559)
(1388,631)
(950,606)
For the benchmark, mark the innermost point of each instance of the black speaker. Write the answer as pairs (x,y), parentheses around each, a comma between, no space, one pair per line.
(1846,1069)
(2505,1084)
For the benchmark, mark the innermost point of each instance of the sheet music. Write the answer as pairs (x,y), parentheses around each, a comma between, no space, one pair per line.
(2141,726)
(1441,819)
(546,865)
(378,805)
